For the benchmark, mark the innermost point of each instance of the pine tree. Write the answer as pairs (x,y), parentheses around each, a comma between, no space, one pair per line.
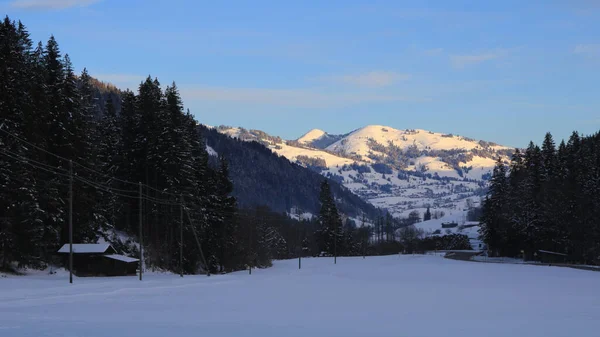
(549,199)
(427,215)
(78,114)
(494,208)
(19,234)
(109,160)
(51,130)
(530,221)
(330,222)
(222,225)
(513,231)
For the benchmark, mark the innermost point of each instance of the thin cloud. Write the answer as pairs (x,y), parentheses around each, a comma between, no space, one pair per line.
(51,4)
(433,52)
(587,49)
(461,61)
(373,79)
(287,97)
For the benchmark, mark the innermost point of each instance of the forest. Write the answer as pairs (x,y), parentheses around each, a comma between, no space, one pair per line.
(546,199)
(121,166)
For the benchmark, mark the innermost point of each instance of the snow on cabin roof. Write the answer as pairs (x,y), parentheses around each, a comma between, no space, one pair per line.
(86,248)
(122,258)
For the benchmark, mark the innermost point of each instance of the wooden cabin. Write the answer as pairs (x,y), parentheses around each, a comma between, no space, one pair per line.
(98,259)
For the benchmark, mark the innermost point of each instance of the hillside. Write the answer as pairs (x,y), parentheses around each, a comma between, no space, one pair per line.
(261,177)
(401,170)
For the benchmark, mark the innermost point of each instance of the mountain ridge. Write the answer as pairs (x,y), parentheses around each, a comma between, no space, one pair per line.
(400,170)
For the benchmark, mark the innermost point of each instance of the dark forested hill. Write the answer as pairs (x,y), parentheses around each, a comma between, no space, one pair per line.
(261,177)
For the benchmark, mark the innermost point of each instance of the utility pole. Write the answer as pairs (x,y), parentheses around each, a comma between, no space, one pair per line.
(198,242)
(70,221)
(300,245)
(181,235)
(335,243)
(141,233)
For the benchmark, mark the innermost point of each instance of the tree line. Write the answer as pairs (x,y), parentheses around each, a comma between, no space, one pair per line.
(151,150)
(546,199)
(131,158)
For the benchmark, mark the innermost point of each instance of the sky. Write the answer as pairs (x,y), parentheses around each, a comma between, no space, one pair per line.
(504,71)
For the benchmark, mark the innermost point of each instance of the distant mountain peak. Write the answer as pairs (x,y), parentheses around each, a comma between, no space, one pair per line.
(318,138)
(311,136)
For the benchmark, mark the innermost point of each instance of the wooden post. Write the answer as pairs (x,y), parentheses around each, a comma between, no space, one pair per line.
(181,235)
(300,262)
(141,234)
(70,221)
(335,244)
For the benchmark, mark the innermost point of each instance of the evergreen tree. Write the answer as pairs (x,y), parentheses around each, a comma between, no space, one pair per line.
(427,215)
(20,235)
(513,233)
(330,221)
(549,199)
(494,207)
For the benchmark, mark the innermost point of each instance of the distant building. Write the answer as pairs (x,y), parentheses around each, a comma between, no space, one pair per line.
(98,259)
(449,224)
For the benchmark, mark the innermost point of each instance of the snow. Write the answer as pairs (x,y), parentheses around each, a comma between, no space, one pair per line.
(356,142)
(433,224)
(85,248)
(311,136)
(121,258)
(292,152)
(399,196)
(297,214)
(211,151)
(413,296)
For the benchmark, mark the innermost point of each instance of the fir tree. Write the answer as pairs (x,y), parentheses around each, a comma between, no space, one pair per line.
(427,215)
(494,221)
(330,221)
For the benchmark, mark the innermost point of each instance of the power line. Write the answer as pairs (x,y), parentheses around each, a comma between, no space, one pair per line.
(80,165)
(125,193)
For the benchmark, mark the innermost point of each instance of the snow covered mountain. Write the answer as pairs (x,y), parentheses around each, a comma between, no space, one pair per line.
(318,139)
(401,170)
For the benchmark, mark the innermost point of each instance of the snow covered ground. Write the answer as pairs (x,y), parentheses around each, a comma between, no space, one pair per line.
(409,296)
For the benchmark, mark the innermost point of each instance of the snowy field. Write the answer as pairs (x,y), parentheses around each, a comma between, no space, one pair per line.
(410,296)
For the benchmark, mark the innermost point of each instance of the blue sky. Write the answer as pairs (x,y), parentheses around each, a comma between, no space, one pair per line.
(504,71)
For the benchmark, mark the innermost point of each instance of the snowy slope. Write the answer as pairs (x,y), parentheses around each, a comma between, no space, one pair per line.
(356,142)
(318,139)
(311,136)
(292,153)
(389,296)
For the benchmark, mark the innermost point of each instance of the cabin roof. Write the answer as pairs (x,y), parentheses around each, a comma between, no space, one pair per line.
(86,248)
